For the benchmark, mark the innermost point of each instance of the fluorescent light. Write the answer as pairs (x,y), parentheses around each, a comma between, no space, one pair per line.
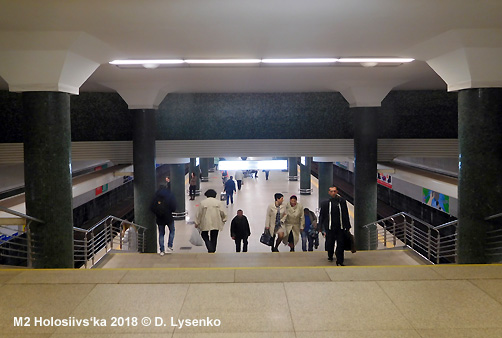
(223,61)
(147,62)
(378,60)
(312,60)
(257,165)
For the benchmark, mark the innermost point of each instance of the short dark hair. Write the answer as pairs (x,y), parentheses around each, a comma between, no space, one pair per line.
(278,196)
(293,197)
(210,193)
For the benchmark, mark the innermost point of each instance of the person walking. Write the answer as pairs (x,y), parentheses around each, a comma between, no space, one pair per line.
(310,232)
(239,231)
(294,223)
(274,222)
(163,206)
(230,189)
(192,186)
(334,220)
(239,177)
(210,219)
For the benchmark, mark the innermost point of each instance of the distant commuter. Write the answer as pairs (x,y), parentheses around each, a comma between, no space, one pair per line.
(274,223)
(240,231)
(192,186)
(210,219)
(310,232)
(334,220)
(168,183)
(230,189)
(163,206)
(239,177)
(294,223)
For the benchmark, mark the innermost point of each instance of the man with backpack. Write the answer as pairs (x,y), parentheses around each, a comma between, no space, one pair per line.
(163,206)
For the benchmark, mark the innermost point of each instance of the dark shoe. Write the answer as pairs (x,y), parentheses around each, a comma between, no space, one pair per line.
(330,259)
(340,264)
(291,249)
(316,246)
(275,249)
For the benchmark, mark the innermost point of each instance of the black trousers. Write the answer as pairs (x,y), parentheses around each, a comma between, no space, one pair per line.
(331,237)
(244,244)
(210,242)
(192,189)
(239,184)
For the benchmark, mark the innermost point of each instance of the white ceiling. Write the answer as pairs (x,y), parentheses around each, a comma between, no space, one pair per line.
(205,29)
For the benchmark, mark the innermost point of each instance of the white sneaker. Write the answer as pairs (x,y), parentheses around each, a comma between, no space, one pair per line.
(161,253)
(169,250)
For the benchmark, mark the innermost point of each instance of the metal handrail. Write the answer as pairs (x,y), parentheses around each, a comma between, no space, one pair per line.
(21,240)
(101,237)
(434,243)
(493,216)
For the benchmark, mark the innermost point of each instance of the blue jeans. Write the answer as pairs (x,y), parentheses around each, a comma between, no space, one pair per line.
(305,238)
(162,232)
(231,196)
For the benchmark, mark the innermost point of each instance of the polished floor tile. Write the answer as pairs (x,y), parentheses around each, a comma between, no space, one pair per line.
(7,274)
(460,333)
(249,307)
(352,306)
(180,334)
(342,333)
(454,271)
(374,273)
(62,276)
(181,276)
(491,287)
(280,275)
(127,301)
(444,304)
(38,301)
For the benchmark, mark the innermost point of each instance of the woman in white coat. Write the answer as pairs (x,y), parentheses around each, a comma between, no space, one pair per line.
(294,223)
(210,218)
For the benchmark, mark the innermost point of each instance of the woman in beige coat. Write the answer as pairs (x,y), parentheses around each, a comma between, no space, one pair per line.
(276,214)
(210,218)
(294,223)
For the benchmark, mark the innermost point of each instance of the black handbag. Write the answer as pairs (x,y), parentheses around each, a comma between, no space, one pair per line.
(348,241)
(266,238)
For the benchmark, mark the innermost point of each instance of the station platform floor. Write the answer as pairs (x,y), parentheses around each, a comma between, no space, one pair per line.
(254,197)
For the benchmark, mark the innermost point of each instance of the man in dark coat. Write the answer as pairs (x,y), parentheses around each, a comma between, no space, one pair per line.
(334,220)
(163,206)
(230,189)
(239,231)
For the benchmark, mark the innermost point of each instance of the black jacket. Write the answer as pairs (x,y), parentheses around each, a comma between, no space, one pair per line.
(164,200)
(338,204)
(240,227)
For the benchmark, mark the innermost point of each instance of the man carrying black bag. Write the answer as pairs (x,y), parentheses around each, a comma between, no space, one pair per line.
(334,221)
(163,206)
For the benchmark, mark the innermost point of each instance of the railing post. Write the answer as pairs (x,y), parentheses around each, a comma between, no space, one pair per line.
(110,229)
(85,251)
(412,232)
(438,247)
(385,234)
(92,248)
(429,243)
(394,231)
(29,252)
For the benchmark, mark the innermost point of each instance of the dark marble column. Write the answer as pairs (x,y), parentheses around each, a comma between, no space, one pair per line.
(144,173)
(305,172)
(480,168)
(194,168)
(47,171)
(325,180)
(292,169)
(204,169)
(178,189)
(365,172)
(211,164)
